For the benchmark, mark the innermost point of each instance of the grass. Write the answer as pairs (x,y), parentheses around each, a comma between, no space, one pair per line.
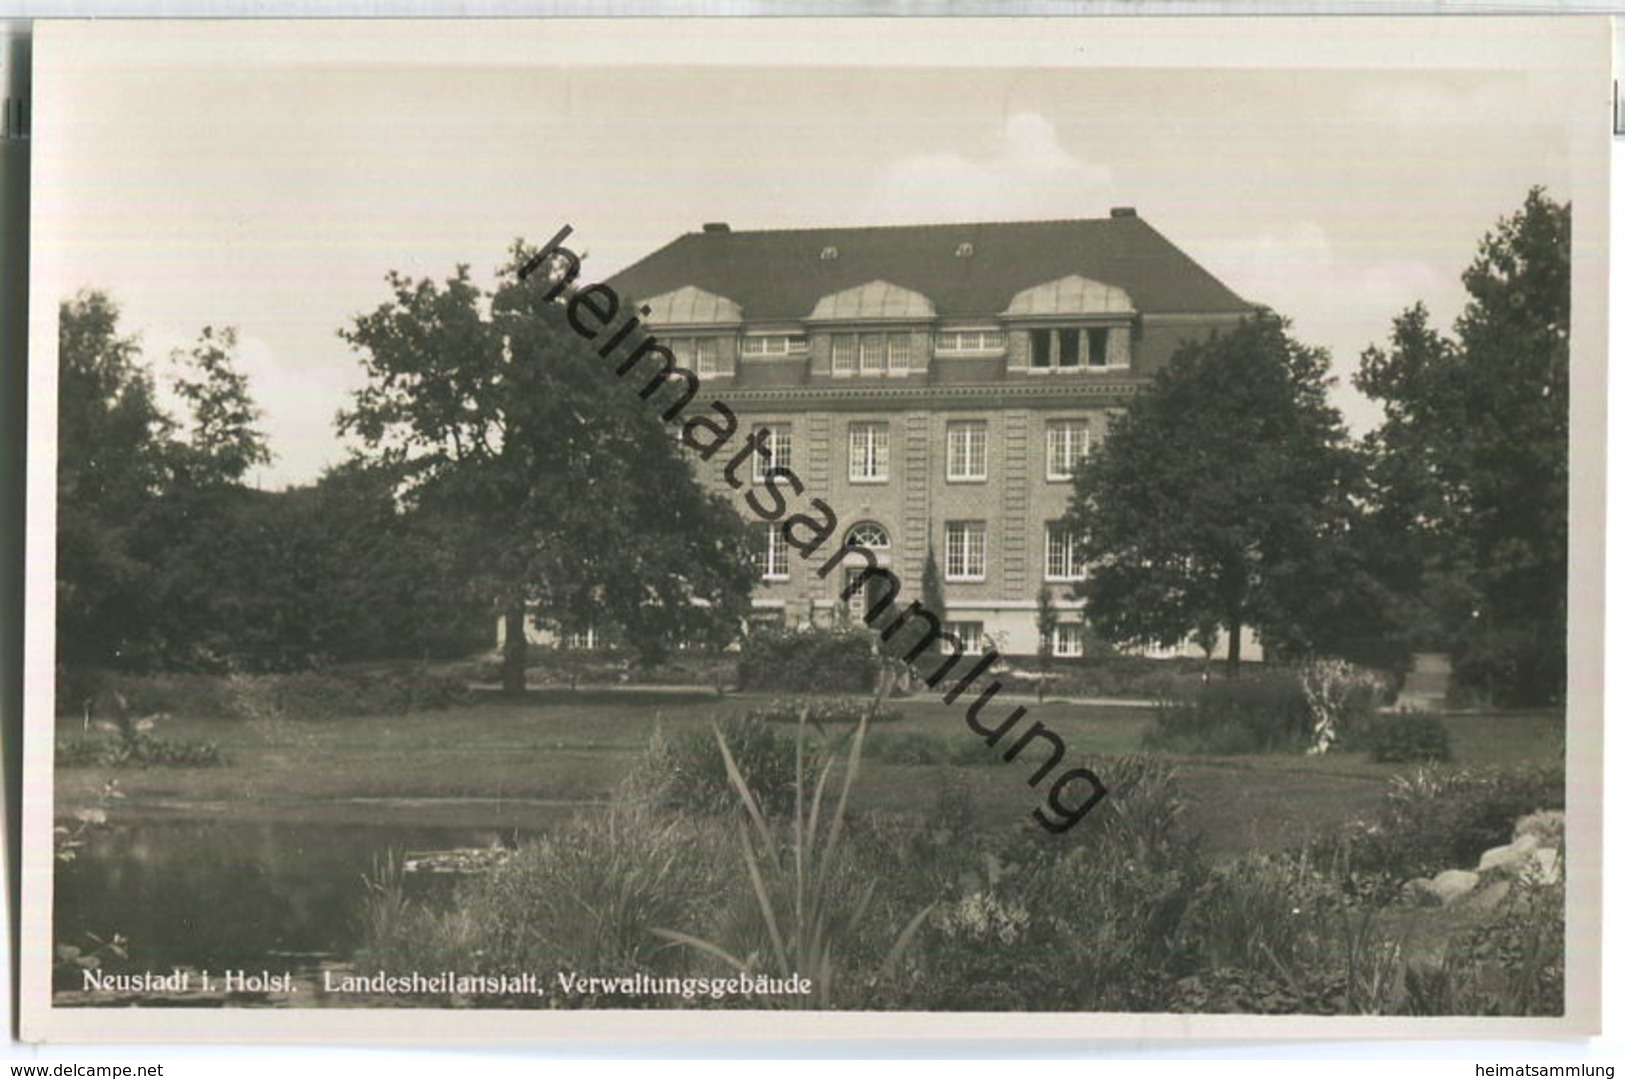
(531,762)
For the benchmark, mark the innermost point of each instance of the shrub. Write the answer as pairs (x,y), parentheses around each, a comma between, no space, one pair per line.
(1123,676)
(584,899)
(813,897)
(1509,965)
(1519,953)
(141,751)
(688,771)
(907,747)
(1435,819)
(825,712)
(1341,698)
(1404,737)
(1253,713)
(305,695)
(809,660)
(1089,924)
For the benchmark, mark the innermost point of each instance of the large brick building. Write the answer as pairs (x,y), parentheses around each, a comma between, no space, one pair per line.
(934,384)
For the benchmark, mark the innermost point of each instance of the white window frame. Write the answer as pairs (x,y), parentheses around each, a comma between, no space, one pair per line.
(775,564)
(1061,554)
(899,345)
(1067,640)
(707,356)
(970,342)
(965,551)
(843,354)
(868,447)
(773,345)
(1084,351)
(1070,454)
(581,640)
(885,545)
(970,640)
(967,455)
(780,448)
(872,354)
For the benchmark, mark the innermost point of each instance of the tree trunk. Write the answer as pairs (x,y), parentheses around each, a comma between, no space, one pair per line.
(515,650)
(1232,661)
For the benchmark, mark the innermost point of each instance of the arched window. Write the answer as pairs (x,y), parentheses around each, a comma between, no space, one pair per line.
(868,534)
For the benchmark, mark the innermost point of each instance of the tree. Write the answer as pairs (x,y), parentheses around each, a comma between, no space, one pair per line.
(1224,498)
(112,462)
(1471,463)
(564,494)
(224,441)
(140,497)
(931,594)
(1047,620)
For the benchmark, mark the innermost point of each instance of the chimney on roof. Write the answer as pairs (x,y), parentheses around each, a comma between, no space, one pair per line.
(1124,211)
(716,226)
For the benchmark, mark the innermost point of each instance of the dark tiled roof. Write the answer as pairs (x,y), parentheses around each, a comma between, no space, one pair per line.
(779,274)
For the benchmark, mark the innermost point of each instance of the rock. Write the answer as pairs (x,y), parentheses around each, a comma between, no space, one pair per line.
(1509,857)
(1544,867)
(1418,892)
(1546,826)
(1489,896)
(1453,885)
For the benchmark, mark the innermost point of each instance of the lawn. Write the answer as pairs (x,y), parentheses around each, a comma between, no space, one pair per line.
(525,763)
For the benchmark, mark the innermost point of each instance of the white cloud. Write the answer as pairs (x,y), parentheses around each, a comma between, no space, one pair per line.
(1028,174)
(297,407)
(1341,295)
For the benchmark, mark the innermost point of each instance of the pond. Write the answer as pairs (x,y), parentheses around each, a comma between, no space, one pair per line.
(213,894)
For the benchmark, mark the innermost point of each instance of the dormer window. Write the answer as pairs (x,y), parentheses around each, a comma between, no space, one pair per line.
(870,354)
(1078,347)
(964,251)
(970,342)
(774,344)
(829,254)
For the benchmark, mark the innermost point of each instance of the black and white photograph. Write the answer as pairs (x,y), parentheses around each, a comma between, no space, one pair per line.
(1019,525)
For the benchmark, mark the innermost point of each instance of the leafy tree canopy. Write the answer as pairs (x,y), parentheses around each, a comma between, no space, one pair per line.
(563,491)
(1471,462)
(1223,498)
(125,471)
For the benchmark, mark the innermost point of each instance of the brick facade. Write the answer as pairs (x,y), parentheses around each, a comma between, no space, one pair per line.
(1066,320)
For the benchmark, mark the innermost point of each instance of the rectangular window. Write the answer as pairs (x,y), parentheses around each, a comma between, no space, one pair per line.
(1040,347)
(1066,443)
(1080,347)
(1068,639)
(1061,554)
(777,444)
(969,342)
(967,450)
(773,557)
(870,452)
(872,354)
(706,356)
(1068,340)
(1097,346)
(969,635)
(844,353)
(898,350)
(966,554)
(774,344)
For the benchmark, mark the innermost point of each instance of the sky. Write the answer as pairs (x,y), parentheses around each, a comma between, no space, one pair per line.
(272,193)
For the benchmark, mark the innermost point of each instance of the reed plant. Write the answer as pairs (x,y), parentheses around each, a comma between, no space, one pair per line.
(800,884)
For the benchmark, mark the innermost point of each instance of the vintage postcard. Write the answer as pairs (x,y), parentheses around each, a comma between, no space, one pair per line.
(987,527)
